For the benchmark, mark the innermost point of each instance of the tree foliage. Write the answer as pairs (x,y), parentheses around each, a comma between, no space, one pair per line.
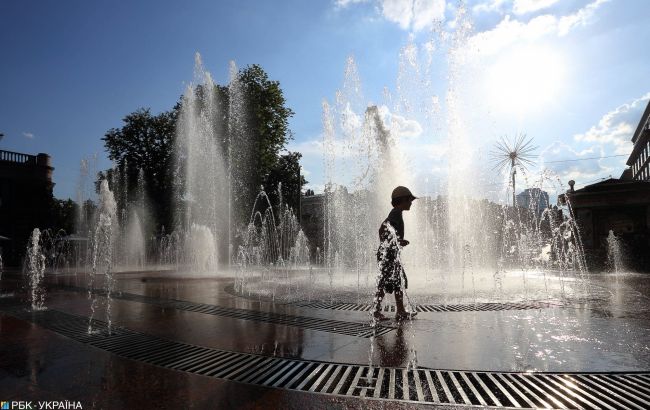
(146,142)
(254,147)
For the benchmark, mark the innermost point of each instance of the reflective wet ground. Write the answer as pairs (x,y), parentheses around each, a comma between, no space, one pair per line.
(609,332)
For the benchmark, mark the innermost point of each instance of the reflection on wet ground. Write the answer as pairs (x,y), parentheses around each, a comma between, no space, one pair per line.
(608,332)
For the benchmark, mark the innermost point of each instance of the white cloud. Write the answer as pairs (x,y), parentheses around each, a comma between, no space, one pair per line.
(398,11)
(399,126)
(594,159)
(350,121)
(579,169)
(510,31)
(311,147)
(345,3)
(529,6)
(413,14)
(28,135)
(581,18)
(489,6)
(426,12)
(615,129)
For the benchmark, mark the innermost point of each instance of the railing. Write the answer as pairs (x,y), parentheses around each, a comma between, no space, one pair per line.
(17,157)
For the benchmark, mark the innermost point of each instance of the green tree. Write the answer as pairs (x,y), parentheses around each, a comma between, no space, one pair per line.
(64,214)
(262,138)
(252,126)
(286,174)
(146,142)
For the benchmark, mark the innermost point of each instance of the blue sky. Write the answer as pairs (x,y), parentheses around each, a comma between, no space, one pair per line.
(572,74)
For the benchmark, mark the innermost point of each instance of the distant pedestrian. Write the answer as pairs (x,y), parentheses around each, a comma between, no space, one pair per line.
(392,276)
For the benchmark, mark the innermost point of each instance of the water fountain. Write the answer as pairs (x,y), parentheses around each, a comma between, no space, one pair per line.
(463,249)
(615,254)
(102,253)
(36,271)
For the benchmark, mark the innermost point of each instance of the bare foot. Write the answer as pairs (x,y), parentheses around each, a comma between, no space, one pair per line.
(379,317)
(405,316)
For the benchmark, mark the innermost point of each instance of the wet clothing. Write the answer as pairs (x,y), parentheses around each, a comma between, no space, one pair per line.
(391,271)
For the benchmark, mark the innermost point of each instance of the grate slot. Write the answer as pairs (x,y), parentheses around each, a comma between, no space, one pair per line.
(609,391)
(556,394)
(180,353)
(445,388)
(341,382)
(278,376)
(260,366)
(405,384)
(631,385)
(418,385)
(530,381)
(311,376)
(331,380)
(525,393)
(233,368)
(181,364)
(250,378)
(198,364)
(355,381)
(291,369)
(391,384)
(292,383)
(613,384)
(475,392)
(166,353)
(327,374)
(432,387)
(461,391)
(379,383)
(204,367)
(578,393)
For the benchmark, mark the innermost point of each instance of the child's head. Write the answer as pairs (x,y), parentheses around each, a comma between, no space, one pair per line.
(402,198)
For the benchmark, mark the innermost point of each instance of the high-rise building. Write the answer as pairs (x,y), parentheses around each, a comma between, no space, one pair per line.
(534,199)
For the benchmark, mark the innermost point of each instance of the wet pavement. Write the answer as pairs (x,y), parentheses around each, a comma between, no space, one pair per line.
(607,334)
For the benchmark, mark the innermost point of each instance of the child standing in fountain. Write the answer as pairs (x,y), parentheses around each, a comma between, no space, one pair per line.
(391,242)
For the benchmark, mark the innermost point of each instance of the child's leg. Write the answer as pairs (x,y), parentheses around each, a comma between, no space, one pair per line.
(379,296)
(399,302)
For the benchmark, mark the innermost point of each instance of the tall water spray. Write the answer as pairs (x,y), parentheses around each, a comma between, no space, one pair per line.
(466,246)
(202,179)
(106,228)
(615,256)
(36,271)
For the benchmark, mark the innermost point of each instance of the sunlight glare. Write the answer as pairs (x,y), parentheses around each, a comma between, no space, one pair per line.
(525,80)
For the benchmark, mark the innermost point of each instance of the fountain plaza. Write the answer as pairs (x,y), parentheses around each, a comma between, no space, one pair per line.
(213,315)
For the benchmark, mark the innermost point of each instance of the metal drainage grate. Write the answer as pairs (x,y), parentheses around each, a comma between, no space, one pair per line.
(324,325)
(365,307)
(477,307)
(521,390)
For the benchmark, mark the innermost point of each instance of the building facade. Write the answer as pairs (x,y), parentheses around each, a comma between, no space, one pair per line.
(638,160)
(25,200)
(620,206)
(534,199)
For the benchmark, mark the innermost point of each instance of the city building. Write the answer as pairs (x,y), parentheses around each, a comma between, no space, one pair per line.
(638,160)
(621,206)
(25,200)
(534,199)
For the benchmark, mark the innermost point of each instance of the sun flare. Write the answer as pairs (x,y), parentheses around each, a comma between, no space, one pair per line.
(525,80)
